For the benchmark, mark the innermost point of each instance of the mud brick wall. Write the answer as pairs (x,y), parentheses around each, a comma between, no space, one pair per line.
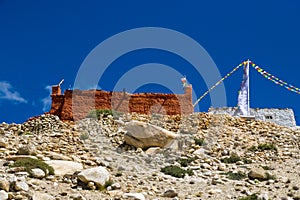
(76,104)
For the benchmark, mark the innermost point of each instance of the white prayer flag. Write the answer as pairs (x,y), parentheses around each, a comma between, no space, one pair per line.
(243,94)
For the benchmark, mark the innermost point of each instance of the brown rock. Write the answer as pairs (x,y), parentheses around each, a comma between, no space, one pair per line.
(57,156)
(27,150)
(4,185)
(15,158)
(3,143)
(257,173)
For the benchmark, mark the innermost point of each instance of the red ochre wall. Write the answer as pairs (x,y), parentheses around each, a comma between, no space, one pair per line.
(76,104)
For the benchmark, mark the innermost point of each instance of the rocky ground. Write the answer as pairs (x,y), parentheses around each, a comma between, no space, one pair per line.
(226,157)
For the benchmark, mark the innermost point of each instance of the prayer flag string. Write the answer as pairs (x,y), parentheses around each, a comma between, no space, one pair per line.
(263,72)
(218,83)
(275,79)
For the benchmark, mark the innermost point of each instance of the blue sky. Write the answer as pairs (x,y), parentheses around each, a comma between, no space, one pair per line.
(42,42)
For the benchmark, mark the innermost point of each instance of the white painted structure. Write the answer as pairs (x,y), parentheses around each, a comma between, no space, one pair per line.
(282,117)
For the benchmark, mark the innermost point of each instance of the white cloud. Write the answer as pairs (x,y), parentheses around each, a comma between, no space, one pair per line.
(7,92)
(47,100)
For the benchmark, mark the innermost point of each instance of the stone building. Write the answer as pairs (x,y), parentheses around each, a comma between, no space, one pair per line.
(76,104)
(282,117)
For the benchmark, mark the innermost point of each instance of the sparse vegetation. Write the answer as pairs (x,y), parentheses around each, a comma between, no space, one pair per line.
(253,148)
(235,176)
(20,132)
(250,197)
(265,167)
(119,174)
(269,176)
(98,113)
(199,194)
(106,185)
(199,141)
(154,174)
(176,171)
(234,158)
(84,136)
(31,163)
(263,147)
(184,162)
(246,161)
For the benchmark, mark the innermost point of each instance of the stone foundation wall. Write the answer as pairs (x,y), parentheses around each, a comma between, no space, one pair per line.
(73,105)
(282,117)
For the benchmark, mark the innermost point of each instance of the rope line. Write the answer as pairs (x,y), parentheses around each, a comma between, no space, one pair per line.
(274,79)
(220,81)
(263,72)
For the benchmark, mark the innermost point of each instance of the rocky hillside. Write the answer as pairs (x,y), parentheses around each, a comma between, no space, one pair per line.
(129,156)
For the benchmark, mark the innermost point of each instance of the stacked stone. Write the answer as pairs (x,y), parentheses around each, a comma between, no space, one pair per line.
(92,154)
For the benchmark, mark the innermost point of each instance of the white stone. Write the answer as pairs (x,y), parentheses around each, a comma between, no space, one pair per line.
(205,166)
(214,191)
(222,167)
(153,150)
(38,173)
(263,196)
(201,152)
(116,186)
(98,175)
(41,196)
(57,156)
(108,159)
(3,195)
(135,196)
(62,167)
(21,186)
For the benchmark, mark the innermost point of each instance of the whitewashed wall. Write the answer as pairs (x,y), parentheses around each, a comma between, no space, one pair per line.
(282,117)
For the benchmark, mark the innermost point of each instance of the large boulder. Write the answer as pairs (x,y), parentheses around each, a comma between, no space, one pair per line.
(98,175)
(62,167)
(144,135)
(257,173)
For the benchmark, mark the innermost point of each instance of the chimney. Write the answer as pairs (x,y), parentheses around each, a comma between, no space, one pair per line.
(56,90)
(189,91)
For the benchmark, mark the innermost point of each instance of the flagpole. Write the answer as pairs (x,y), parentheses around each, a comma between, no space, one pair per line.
(248,80)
